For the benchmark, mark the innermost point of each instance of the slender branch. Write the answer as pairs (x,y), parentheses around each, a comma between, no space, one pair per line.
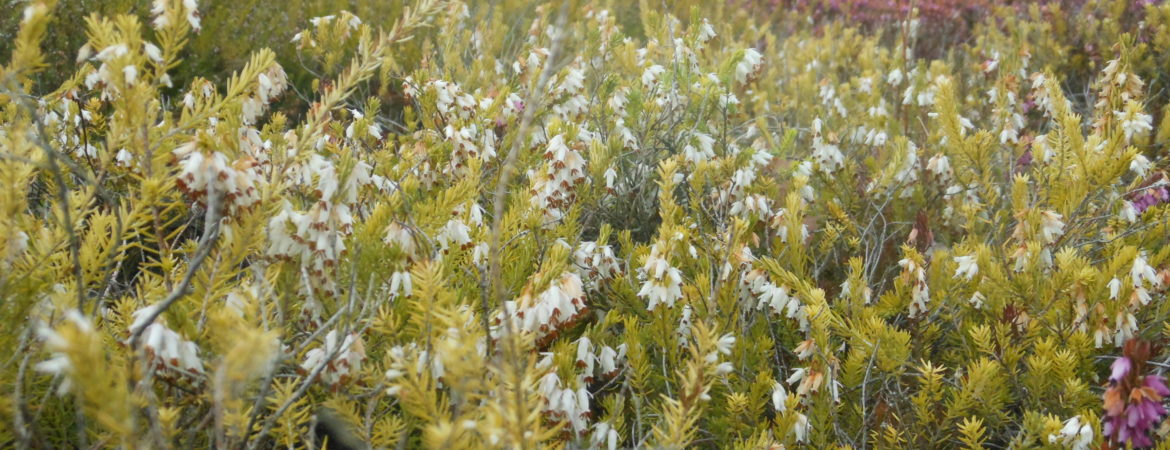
(211,227)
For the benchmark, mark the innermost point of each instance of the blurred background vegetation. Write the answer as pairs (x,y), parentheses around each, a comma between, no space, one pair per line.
(1072,37)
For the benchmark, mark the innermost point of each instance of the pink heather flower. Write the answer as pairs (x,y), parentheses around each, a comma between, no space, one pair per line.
(1121,367)
(1133,403)
(1150,192)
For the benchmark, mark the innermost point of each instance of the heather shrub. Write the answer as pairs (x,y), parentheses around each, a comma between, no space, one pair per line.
(584,224)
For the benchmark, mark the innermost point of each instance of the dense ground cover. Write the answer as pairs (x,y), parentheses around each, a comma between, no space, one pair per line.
(600,224)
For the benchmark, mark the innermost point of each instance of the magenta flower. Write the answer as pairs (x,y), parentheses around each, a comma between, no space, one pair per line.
(1150,198)
(1133,403)
(1120,367)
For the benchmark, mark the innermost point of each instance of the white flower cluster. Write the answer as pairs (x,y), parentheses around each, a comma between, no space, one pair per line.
(544,314)
(169,354)
(117,67)
(317,237)
(565,403)
(1051,227)
(202,173)
(468,143)
(684,325)
(749,67)
(737,187)
(340,359)
(60,364)
(435,362)
(595,264)
(450,100)
(802,427)
(401,238)
(968,267)
(570,92)
(699,147)
(663,283)
(722,347)
(1133,121)
(827,155)
(939,167)
(1117,81)
(617,103)
(344,21)
(62,123)
(604,361)
(1144,278)
(907,173)
(455,233)
(847,290)
(754,205)
(651,75)
(270,85)
(164,17)
(776,299)
(532,64)
(808,381)
(919,291)
(554,187)
(604,435)
(1074,435)
(779,223)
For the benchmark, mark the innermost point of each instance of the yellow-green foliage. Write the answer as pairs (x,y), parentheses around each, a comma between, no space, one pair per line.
(571,224)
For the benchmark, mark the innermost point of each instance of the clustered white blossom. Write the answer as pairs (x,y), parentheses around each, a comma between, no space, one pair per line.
(413,357)
(316,237)
(699,147)
(603,361)
(939,166)
(663,282)
(617,103)
(595,264)
(60,364)
(201,174)
(1074,435)
(203,171)
(650,76)
(164,16)
(1134,122)
(168,353)
(455,234)
(340,359)
(684,325)
(847,290)
(546,313)
(802,427)
(604,434)
(749,66)
(968,267)
(915,274)
(1051,226)
(806,380)
(565,403)
(827,155)
(1117,81)
(722,347)
(776,299)
(1144,278)
(554,186)
(450,100)
(60,124)
(347,23)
